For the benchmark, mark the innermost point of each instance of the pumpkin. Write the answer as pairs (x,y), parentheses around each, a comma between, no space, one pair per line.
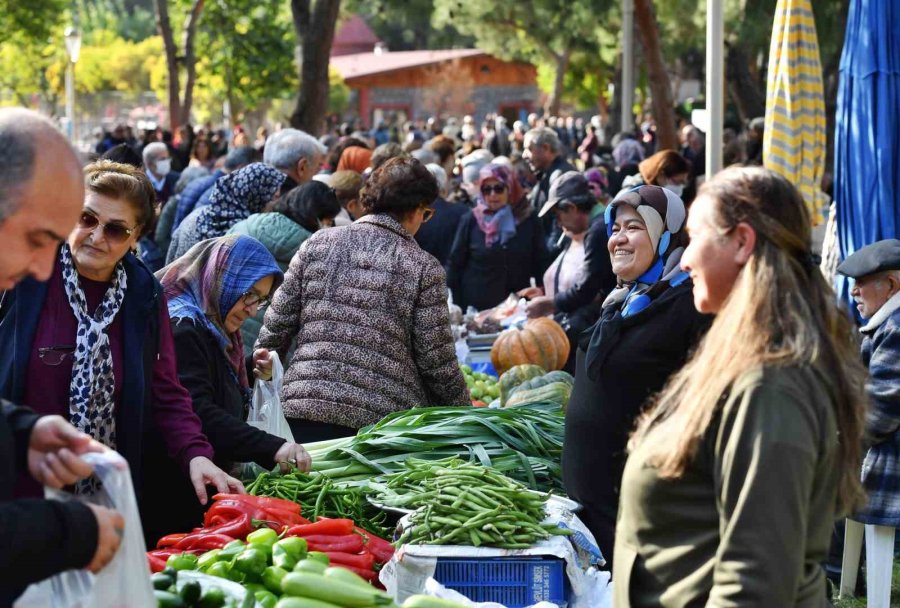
(541,342)
(516,376)
(555,392)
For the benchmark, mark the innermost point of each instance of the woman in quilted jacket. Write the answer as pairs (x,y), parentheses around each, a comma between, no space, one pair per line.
(368,310)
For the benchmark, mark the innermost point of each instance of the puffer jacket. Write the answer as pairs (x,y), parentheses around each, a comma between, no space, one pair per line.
(368,308)
(282,236)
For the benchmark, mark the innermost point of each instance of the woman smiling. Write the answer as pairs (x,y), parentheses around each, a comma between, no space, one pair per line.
(647,327)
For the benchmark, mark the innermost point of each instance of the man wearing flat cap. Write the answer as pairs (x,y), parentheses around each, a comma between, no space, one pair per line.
(876,290)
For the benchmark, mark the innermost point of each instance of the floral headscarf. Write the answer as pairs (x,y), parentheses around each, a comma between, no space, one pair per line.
(204,284)
(500,225)
(236,197)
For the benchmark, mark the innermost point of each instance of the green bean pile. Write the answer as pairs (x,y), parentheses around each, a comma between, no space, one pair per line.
(319,496)
(465,504)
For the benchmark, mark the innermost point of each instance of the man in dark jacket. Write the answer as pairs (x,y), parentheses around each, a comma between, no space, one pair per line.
(546,155)
(436,236)
(576,211)
(41,537)
(876,290)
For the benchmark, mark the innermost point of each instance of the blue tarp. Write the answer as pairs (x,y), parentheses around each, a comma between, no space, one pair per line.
(867,134)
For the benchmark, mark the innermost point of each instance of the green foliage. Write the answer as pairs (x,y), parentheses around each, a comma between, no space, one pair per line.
(30,21)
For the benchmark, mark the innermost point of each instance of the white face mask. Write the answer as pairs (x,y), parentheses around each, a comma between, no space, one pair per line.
(163,167)
(678,189)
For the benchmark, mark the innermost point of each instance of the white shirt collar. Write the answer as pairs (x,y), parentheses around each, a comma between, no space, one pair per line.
(886,310)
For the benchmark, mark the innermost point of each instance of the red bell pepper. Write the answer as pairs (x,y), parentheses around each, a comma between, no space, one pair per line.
(169,540)
(377,546)
(350,543)
(331,527)
(206,542)
(157,564)
(363,561)
(369,575)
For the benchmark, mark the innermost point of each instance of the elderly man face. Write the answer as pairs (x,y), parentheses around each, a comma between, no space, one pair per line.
(37,212)
(539,156)
(872,291)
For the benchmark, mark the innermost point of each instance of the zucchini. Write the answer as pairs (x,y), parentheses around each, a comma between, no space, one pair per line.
(161,581)
(426,601)
(342,574)
(313,566)
(317,587)
(166,599)
(303,602)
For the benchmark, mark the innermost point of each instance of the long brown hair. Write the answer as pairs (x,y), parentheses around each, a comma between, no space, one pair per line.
(779,313)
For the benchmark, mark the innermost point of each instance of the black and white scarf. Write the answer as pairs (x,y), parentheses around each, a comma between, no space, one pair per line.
(91,403)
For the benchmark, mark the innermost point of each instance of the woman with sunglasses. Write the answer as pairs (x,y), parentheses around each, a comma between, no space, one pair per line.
(499,246)
(368,310)
(211,291)
(94,345)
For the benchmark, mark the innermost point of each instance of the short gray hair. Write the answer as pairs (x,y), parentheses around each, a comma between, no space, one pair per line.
(285,148)
(152,151)
(439,175)
(20,132)
(545,136)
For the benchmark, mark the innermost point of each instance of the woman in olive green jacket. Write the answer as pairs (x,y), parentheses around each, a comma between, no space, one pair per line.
(753,449)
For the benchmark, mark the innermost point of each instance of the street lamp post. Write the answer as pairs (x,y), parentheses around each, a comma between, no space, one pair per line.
(73,49)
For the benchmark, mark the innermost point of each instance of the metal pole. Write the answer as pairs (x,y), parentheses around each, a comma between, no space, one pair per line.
(70,101)
(627,65)
(715,77)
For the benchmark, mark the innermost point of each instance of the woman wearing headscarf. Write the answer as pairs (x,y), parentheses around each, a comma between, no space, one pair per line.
(293,219)
(753,449)
(647,327)
(499,246)
(94,345)
(235,197)
(355,158)
(212,290)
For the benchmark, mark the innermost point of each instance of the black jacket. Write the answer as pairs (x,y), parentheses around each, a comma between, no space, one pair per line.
(541,192)
(40,538)
(220,404)
(637,356)
(598,279)
(436,237)
(483,277)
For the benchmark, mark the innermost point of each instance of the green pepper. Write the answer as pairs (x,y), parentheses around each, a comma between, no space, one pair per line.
(251,561)
(254,587)
(319,557)
(232,549)
(220,569)
(190,592)
(266,599)
(182,561)
(271,578)
(208,559)
(213,598)
(284,561)
(292,545)
(263,536)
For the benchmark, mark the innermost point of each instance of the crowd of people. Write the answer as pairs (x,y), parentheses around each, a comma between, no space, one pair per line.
(721,407)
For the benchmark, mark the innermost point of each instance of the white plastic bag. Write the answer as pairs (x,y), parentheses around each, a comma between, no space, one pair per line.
(265,408)
(125,581)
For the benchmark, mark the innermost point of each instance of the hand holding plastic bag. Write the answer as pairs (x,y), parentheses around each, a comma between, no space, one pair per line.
(125,580)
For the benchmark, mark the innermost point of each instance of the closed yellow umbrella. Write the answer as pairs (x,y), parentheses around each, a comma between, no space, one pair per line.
(794,138)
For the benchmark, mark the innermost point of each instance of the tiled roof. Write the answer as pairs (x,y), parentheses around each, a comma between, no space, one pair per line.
(367,64)
(354,33)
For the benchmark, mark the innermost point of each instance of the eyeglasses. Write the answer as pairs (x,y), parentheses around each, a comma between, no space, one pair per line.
(55,355)
(495,189)
(427,214)
(115,233)
(250,298)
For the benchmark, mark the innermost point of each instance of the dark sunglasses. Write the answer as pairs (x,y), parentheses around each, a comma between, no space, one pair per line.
(250,298)
(115,233)
(496,189)
(55,355)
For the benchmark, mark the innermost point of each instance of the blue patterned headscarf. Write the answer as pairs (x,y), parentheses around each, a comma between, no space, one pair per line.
(205,283)
(236,197)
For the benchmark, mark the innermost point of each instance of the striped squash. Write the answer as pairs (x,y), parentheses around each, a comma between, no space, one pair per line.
(541,342)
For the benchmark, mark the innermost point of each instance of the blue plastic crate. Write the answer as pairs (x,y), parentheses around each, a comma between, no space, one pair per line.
(514,582)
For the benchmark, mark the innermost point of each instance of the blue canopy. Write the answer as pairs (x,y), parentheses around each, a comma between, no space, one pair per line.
(867,134)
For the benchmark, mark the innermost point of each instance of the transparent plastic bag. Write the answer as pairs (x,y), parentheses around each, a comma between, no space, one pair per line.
(125,581)
(265,408)
(266,414)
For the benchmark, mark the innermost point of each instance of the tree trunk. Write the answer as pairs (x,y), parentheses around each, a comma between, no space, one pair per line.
(190,60)
(744,90)
(562,64)
(164,26)
(660,87)
(314,27)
